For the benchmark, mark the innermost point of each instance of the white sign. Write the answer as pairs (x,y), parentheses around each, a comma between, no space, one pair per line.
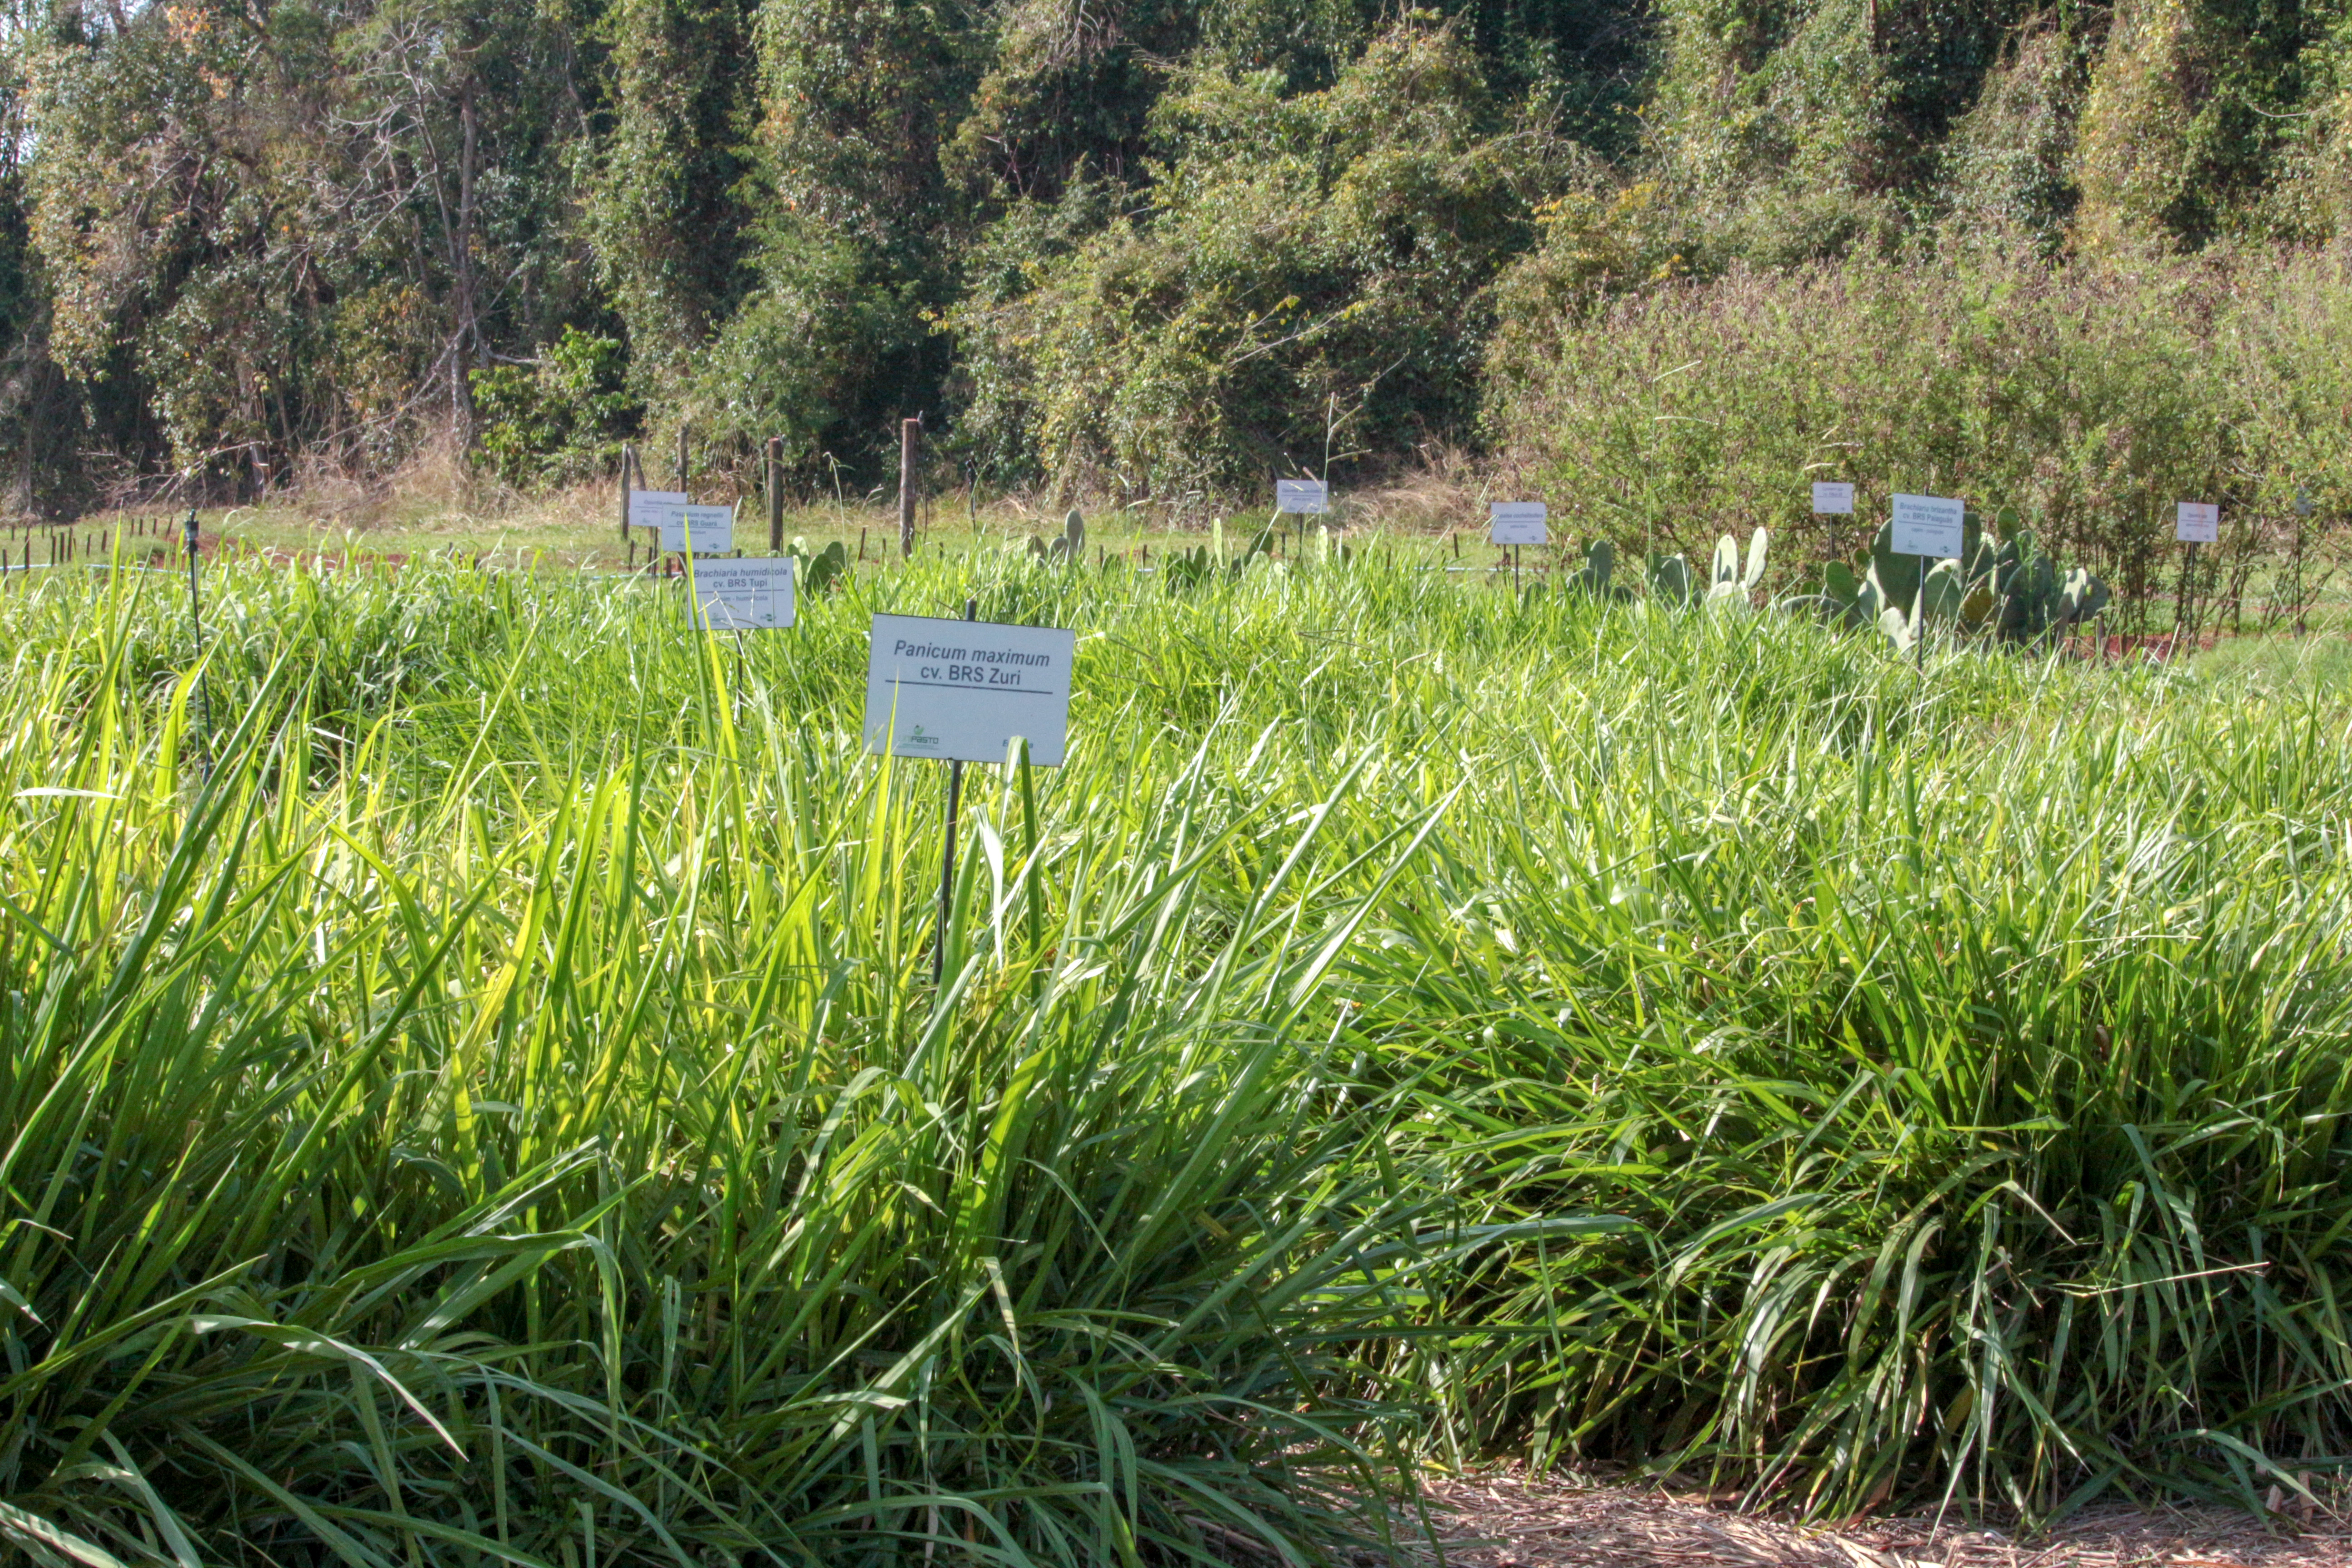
(1929,525)
(1833,500)
(1311,496)
(698,529)
(2303,503)
(2197,523)
(647,507)
(1517,522)
(961,691)
(744,595)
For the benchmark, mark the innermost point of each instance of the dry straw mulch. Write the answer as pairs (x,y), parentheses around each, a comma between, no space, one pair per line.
(1503,1520)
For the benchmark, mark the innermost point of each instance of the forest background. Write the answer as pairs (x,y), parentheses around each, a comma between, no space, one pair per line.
(1661,258)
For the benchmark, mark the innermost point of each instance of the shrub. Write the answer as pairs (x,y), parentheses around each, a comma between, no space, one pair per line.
(1310,272)
(559,417)
(2090,399)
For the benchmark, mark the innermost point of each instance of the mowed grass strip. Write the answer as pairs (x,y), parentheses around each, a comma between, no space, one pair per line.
(484,1100)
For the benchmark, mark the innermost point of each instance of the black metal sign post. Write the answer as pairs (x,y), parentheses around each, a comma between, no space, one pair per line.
(947,855)
(2183,619)
(196,619)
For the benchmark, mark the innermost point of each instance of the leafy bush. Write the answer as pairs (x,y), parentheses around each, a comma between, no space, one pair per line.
(817,354)
(2090,397)
(561,418)
(1309,270)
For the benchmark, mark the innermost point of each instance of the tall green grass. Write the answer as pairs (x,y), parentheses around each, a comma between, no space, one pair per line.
(486,1101)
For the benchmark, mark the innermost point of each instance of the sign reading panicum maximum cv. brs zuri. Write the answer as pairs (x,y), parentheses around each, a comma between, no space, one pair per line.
(961,691)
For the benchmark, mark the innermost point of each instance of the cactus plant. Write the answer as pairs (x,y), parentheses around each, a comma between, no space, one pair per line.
(1188,568)
(1072,545)
(1734,586)
(1593,577)
(1726,565)
(1670,581)
(2005,585)
(813,574)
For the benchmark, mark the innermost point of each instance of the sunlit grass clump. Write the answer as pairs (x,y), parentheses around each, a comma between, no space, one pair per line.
(484,1099)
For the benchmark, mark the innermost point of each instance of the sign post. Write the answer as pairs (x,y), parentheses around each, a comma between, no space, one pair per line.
(646,509)
(2194,523)
(742,596)
(197,621)
(1833,498)
(751,595)
(696,530)
(1933,526)
(959,692)
(1303,499)
(947,851)
(1514,525)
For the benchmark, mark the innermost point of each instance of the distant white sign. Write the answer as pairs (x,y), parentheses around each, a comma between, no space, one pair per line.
(702,529)
(961,691)
(1517,522)
(2303,507)
(1929,525)
(647,507)
(1311,495)
(1833,500)
(744,595)
(2197,523)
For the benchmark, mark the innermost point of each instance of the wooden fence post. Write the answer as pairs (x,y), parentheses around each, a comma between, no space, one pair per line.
(775,495)
(628,460)
(909,433)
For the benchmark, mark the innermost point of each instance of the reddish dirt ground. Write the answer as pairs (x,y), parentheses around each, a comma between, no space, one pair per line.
(1502,1520)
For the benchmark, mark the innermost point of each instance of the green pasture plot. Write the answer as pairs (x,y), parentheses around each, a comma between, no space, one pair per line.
(487,1103)
(578,528)
(2319,663)
(581,528)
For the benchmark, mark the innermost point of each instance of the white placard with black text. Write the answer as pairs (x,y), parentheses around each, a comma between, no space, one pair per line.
(1517,522)
(2197,523)
(700,530)
(1312,497)
(744,595)
(1930,525)
(647,507)
(961,691)
(1833,500)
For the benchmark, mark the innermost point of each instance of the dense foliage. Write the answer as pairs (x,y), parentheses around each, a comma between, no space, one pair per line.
(486,1099)
(1150,247)
(1312,272)
(337,230)
(2090,400)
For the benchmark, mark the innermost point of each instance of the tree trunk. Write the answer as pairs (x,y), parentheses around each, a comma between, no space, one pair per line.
(466,335)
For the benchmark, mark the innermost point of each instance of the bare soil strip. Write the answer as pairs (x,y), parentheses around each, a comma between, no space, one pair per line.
(1501,1519)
